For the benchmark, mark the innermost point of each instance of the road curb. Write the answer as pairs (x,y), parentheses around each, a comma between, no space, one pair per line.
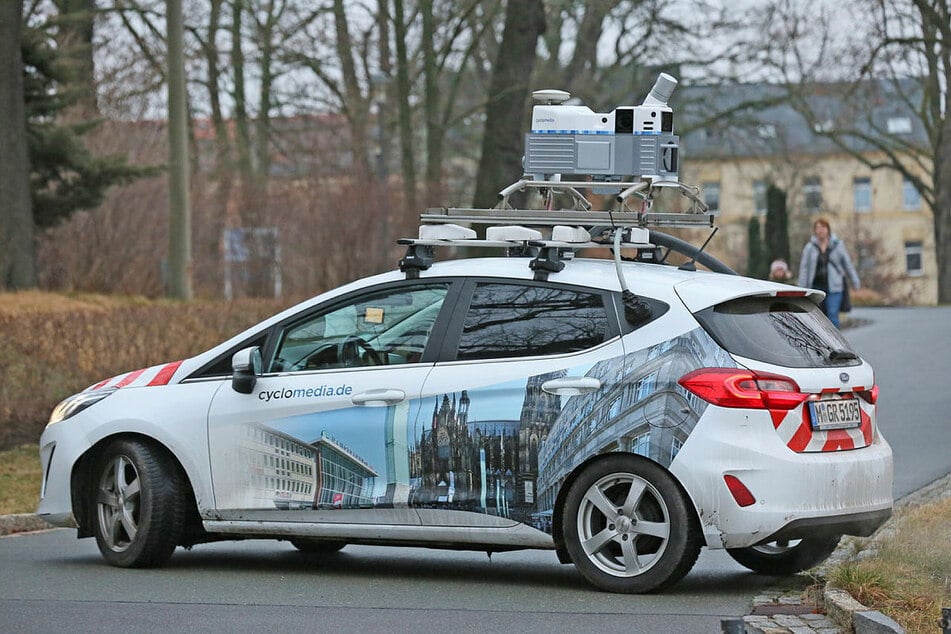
(21,523)
(848,613)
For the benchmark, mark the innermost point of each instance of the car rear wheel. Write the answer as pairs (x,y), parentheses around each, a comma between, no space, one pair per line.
(317,546)
(628,526)
(138,505)
(785,557)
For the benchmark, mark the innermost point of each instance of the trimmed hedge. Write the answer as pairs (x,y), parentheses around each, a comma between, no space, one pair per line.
(53,346)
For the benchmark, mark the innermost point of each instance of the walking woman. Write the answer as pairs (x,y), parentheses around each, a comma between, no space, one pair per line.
(824,266)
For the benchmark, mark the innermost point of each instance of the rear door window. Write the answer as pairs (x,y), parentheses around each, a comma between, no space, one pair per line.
(520,320)
(787,331)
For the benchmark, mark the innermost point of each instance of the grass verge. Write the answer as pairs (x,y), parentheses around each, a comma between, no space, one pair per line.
(908,576)
(20,475)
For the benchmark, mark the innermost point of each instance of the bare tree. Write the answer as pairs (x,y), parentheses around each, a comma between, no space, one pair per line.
(902,52)
(507,108)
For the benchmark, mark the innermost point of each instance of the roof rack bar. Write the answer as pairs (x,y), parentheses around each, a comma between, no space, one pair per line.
(581,218)
(504,244)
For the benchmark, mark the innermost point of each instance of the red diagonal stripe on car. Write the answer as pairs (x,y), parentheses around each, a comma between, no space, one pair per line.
(801,438)
(165,374)
(838,439)
(130,377)
(866,428)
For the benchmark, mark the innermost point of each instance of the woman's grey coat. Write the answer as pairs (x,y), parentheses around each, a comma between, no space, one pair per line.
(839,265)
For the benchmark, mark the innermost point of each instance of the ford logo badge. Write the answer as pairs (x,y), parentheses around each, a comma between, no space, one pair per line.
(844,377)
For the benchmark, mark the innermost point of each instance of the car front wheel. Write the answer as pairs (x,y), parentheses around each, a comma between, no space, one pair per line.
(137,497)
(785,557)
(628,527)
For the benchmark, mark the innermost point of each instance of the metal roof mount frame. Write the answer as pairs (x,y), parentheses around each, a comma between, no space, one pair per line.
(619,228)
(503,213)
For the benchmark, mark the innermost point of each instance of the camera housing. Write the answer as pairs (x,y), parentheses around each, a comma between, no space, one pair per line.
(630,141)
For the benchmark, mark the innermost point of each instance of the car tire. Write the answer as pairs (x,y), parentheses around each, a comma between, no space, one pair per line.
(137,497)
(785,558)
(628,526)
(317,546)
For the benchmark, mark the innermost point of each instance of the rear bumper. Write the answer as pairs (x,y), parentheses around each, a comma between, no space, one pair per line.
(796,494)
(860,524)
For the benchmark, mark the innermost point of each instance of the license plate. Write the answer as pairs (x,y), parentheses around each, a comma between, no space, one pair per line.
(840,413)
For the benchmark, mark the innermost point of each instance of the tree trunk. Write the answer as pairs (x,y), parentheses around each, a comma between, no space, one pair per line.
(585,57)
(17,255)
(355,105)
(434,130)
(243,134)
(408,160)
(942,209)
(179,230)
(210,49)
(75,38)
(262,129)
(503,137)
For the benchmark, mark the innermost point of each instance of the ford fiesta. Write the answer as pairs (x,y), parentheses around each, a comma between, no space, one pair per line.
(621,414)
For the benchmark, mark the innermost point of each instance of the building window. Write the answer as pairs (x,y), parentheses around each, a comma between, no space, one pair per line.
(711,196)
(899,125)
(911,198)
(645,386)
(675,446)
(641,445)
(913,257)
(862,194)
(759,197)
(812,194)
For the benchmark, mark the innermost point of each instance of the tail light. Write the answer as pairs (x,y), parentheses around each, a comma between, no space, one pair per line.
(735,387)
(870,396)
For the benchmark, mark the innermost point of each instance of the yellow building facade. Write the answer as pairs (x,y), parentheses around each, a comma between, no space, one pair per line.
(883,221)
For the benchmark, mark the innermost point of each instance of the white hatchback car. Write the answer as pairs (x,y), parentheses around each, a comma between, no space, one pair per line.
(621,414)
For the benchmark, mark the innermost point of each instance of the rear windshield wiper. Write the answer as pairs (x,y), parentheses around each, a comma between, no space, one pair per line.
(842,355)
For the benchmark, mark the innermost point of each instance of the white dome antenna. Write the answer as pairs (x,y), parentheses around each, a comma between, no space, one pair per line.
(551,96)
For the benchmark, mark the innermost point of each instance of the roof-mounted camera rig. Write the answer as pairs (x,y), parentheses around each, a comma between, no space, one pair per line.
(626,154)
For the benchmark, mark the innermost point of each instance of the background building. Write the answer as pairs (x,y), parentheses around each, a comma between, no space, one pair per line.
(887,227)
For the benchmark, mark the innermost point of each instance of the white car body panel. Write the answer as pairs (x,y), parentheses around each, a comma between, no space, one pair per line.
(704,291)
(787,485)
(175,416)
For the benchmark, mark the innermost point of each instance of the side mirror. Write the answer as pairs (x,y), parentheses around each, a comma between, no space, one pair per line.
(246,368)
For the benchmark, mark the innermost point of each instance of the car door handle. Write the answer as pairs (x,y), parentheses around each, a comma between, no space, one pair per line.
(572,385)
(378,398)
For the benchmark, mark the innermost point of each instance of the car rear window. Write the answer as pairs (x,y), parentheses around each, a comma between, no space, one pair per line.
(787,331)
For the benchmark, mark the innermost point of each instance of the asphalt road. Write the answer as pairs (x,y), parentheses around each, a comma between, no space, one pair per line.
(910,349)
(52,581)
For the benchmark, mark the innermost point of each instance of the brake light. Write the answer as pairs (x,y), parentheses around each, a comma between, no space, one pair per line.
(735,387)
(870,396)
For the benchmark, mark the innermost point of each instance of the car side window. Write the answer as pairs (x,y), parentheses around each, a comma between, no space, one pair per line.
(385,328)
(516,320)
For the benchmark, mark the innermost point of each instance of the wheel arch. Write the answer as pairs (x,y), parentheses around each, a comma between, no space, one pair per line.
(558,529)
(83,478)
